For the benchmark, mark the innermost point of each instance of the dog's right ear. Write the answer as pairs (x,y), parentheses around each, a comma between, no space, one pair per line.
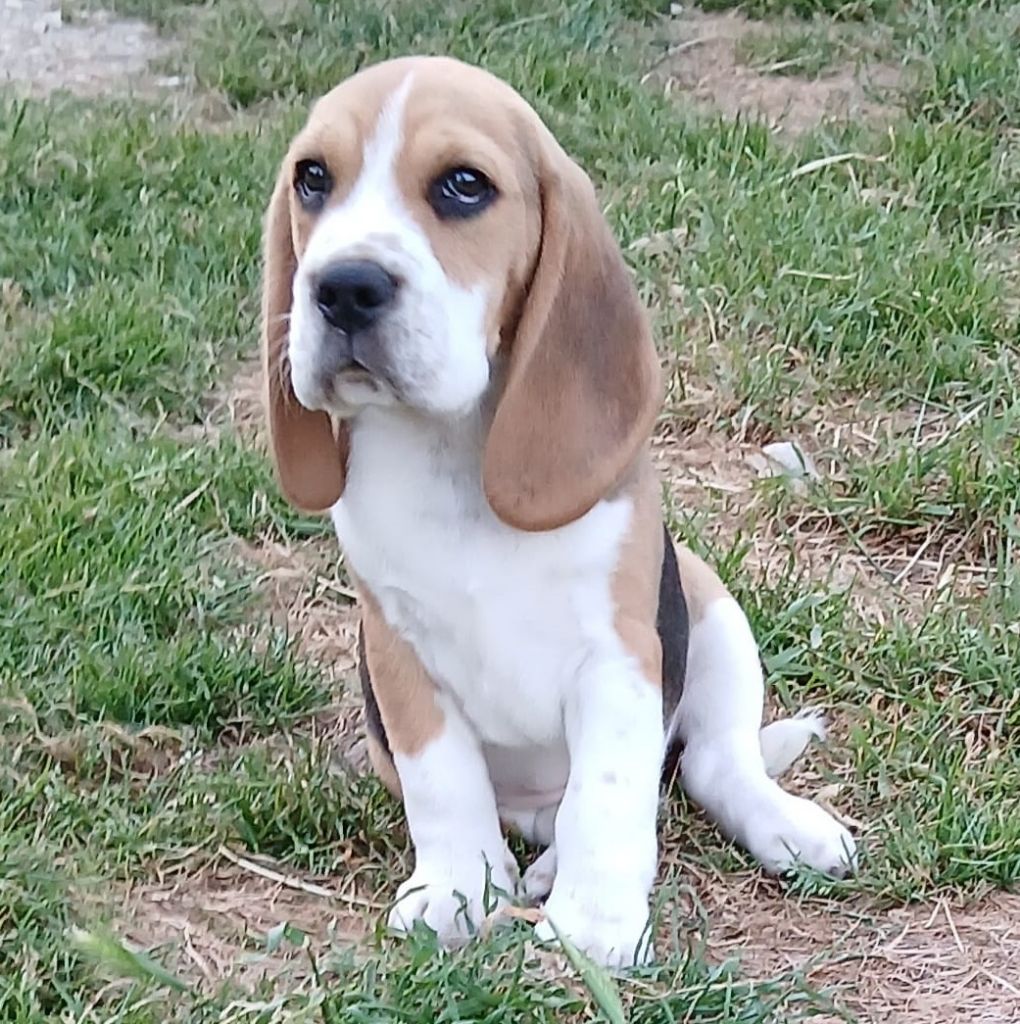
(309,452)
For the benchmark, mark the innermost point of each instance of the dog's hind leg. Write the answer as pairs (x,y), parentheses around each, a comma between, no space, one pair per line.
(728,760)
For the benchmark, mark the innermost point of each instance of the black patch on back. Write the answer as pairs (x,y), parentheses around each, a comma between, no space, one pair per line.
(373,719)
(673,626)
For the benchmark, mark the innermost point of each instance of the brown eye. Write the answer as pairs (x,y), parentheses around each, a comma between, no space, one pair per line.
(312,182)
(461,192)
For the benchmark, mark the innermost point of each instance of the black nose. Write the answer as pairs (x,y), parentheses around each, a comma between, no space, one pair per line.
(352,295)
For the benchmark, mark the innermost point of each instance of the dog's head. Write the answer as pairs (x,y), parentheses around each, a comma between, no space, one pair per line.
(429,245)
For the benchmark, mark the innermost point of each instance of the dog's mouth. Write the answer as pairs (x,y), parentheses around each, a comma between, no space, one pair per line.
(357,374)
(352,367)
(355,386)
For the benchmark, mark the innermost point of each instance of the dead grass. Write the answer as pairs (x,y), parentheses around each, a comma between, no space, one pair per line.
(702,62)
(719,470)
(725,483)
(933,963)
(303,584)
(943,962)
(305,590)
(213,921)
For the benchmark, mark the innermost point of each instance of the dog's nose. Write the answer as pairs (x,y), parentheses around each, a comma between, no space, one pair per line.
(353,294)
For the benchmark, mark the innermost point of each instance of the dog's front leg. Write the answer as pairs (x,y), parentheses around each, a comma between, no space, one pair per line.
(606,846)
(462,863)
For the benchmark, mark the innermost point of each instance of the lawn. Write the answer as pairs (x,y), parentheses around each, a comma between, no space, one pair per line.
(821,209)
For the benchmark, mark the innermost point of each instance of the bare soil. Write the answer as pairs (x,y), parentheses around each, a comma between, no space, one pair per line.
(702,65)
(941,962)
(93,54)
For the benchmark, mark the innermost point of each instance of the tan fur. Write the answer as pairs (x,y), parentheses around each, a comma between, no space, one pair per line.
(455,115)
(701,585)
(384,767)
(404,691)
(581,384)
(635,586)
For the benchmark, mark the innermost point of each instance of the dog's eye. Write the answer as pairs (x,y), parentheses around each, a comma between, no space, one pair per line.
(312,183)
(461,192)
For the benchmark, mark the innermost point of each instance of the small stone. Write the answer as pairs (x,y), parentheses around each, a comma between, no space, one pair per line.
(791,460)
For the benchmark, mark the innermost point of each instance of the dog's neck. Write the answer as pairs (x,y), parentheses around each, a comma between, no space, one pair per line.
(431,450)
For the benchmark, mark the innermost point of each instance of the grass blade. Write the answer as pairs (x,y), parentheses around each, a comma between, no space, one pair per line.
(598,980)
(109,952)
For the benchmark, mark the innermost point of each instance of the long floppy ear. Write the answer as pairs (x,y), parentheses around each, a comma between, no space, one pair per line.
(310,457)
(583,382)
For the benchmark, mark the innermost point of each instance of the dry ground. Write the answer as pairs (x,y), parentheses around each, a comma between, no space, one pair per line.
(703,62)
(92,53)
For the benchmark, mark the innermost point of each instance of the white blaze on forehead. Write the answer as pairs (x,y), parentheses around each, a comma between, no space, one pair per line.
(385,142)
(374,206)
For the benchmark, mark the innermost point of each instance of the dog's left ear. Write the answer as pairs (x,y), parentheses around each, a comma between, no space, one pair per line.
(310,457)
(583,382)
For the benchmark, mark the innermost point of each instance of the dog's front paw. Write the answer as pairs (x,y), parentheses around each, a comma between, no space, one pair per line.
(791,831)
(610,927)
(539,878)
(451,899)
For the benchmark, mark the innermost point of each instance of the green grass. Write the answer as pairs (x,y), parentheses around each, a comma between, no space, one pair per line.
(975,79)
(503,981)
(802,52)
(150,710)
(843,10)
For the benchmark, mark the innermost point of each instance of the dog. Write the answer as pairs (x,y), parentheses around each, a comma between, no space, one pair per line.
(459,369)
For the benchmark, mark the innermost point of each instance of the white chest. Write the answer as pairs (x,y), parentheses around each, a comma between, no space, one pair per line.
(503,620)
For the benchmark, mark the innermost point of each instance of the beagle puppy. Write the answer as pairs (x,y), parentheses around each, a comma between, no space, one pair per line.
(459,369)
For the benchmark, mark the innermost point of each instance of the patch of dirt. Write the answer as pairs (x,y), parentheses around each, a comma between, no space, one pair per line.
(942,962)
(719,479)
(242,401)
(946,962)
(702,62)
(306,591)
(213,924)
(93,54)
(303,584)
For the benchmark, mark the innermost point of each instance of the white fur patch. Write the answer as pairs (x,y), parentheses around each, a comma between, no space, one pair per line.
(783,741)
(503,620)
(606,847)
